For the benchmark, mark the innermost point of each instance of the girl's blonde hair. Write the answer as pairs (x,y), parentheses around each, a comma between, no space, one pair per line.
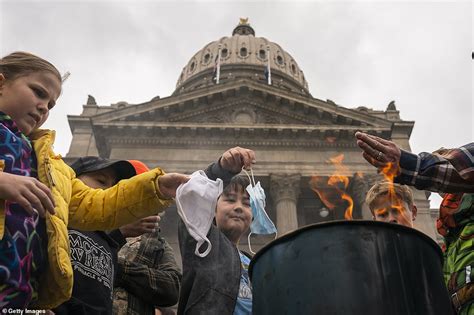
(22,63)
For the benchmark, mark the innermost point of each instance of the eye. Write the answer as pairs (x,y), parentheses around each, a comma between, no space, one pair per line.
(39,92)
(382,213)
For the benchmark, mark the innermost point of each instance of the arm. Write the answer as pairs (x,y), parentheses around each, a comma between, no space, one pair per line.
(129,200)
(450,172)
(118,237)
(230,164)
(153,276)
(215,171)
(453,172)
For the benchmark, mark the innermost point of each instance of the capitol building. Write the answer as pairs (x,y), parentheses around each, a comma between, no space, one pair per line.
(247,90)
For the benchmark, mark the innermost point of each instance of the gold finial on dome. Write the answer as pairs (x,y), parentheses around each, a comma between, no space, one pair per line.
(243,28)
(244,21)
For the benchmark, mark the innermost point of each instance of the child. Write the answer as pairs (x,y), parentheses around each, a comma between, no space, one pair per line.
(94,282)
(147,275)
(43,197)
(455,224)
(219,282)
(391,202)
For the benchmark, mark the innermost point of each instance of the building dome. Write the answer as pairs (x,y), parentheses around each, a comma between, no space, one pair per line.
(242,55)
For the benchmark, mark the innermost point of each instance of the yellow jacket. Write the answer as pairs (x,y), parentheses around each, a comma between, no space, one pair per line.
(81,207)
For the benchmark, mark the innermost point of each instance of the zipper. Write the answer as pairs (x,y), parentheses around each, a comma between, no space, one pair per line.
(49,174)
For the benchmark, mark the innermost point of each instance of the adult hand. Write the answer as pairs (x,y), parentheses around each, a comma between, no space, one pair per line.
(28,192)
(168,183)
(146,225)
(379,152)
(234,159)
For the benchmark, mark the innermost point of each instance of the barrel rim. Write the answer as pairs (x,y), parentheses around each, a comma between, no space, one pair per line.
(343,222)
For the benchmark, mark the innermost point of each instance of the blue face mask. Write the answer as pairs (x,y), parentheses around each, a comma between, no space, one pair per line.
(261,223)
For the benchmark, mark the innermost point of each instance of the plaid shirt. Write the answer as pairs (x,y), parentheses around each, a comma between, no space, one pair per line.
(147,276)
(452,172)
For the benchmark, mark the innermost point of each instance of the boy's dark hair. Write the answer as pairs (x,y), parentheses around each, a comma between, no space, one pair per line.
(237,183)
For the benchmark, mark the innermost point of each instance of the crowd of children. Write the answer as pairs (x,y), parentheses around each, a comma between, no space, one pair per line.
(50,211)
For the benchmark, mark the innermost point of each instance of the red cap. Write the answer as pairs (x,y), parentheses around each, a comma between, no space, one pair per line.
(139,166)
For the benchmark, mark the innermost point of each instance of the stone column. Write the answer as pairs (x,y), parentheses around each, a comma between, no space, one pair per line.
(285,190)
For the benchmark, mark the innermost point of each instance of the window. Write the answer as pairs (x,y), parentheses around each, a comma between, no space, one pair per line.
(243,52)
(262,54)
(280,60)
(224,53)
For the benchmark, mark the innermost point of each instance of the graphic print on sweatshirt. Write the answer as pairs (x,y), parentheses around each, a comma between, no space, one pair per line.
(91,259)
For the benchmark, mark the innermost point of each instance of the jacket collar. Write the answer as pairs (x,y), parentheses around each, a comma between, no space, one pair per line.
(40,133)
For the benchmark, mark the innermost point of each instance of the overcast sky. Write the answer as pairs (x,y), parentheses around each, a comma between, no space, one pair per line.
(356,53)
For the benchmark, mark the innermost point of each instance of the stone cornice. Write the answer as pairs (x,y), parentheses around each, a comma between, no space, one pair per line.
(179,128)
(77,122)
(189,142)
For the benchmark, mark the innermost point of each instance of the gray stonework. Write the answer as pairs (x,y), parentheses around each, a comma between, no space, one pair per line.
(293,134)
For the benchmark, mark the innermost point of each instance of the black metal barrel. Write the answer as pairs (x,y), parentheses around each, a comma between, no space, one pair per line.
(350,267)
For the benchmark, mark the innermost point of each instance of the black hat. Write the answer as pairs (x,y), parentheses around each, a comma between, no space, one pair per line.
(88,164)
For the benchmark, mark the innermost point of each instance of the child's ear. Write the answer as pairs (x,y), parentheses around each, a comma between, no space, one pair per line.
(414,211)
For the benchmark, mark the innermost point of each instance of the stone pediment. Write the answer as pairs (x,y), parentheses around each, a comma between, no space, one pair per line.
(242,105)
(244,112)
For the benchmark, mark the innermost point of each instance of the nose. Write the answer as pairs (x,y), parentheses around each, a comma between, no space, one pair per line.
(392,219)
(238,207)
(43,107)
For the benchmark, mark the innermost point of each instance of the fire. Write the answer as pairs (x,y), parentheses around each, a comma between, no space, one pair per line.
(389,173)
(332,191)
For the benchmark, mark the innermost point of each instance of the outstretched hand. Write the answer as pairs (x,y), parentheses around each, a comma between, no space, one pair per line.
(377,151)
(28,192)
(235,158)
(168,183)
(142,226)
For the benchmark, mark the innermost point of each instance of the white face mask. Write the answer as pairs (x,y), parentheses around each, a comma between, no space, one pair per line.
(196,201)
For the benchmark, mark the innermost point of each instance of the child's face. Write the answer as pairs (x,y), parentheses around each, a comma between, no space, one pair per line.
(393,210)
(102,179)
(233,214)
(28,99)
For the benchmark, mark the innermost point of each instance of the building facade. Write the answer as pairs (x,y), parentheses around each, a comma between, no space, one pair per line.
(223,99)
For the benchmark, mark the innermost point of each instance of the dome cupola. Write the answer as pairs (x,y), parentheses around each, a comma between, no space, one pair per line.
(243,55)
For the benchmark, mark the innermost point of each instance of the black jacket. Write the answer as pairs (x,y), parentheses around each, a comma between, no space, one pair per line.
(210,285)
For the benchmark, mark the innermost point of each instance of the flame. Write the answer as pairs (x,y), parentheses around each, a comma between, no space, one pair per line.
(389,173)
(332,191)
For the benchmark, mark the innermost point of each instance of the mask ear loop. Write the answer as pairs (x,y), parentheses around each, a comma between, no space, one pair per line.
(250,246)
(252,183)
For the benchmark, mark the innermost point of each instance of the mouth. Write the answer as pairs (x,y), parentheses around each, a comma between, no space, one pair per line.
(36,117)
(237,218)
